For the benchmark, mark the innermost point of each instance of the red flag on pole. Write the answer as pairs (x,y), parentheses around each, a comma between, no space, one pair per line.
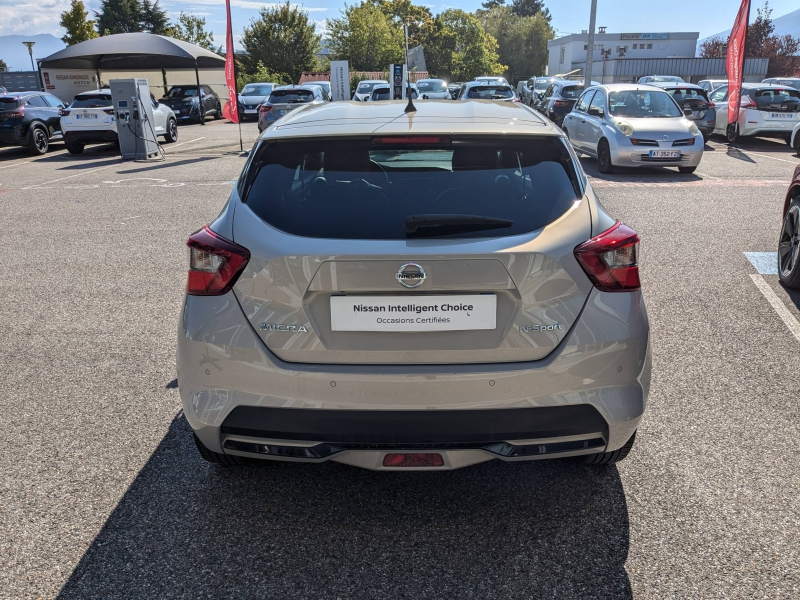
(735,61)
(231,110)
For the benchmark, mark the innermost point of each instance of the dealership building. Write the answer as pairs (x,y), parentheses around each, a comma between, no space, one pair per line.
(624,57)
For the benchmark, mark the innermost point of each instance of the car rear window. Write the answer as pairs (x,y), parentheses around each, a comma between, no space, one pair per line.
(432,86)
(777,95)
(8,103)
(367,188)
(182,92)
(572,91)
(93,101)
(683,94)
(381,94)
(285,96)
(490,92)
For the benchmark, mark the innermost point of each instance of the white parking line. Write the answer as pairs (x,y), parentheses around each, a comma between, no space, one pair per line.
(780,308)
(25,162)
(171,146)
(71,176)
(791,162)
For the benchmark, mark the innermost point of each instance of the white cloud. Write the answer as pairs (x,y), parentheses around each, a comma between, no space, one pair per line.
(31,17)
(252,5)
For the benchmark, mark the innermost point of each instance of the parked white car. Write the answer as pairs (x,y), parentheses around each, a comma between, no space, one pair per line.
(433,89)
(90,119)
(766,111)
(630,125)
(364,89)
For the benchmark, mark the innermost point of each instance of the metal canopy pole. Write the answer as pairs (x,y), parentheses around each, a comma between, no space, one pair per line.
(199,96)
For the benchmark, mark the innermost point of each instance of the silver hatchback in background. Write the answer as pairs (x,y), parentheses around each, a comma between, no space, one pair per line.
(423,290)
(630,125)
(286,98)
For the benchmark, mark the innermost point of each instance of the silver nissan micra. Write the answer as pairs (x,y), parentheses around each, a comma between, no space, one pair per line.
(413,290)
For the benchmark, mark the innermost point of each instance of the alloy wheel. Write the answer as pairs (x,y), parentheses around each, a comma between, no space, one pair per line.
(789,244)
(40,140)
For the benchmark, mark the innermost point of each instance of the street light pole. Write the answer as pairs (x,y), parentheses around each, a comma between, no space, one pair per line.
(587,72)
(30,51)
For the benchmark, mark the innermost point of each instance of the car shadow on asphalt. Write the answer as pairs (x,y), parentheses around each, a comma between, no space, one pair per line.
(186,528)
(168,163)
(637,174)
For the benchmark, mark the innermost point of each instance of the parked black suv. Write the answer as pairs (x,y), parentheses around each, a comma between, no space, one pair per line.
(558,99)
(182,99)
(30,119)
(691,96)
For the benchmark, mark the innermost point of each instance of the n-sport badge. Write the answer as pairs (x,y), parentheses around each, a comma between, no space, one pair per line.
(411,275)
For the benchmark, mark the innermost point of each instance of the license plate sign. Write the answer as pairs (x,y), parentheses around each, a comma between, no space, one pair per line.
(85,115)
(786,115)
(413,313)
(250,111)
(665,153)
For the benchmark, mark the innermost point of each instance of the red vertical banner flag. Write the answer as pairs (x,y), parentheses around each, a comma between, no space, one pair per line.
(231,110)
(735,61)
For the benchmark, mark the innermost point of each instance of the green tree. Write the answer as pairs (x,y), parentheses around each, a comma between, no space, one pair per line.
(522,41)
(714,47)
(260,75)
(490,4)
(119,16)
(458,48)
(403,12)
(79,28)
(367,37)
(153,18)
(3,65)
(530,8)
(190,28)
(283,38)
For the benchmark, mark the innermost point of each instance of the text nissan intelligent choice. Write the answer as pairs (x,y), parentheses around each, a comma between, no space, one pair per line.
(424,290)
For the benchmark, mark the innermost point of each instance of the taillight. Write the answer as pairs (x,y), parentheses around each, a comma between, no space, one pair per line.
(610,259)
(747,102)
(560,102)
(108,111)
(712,105)
(14,114)
(214,263)
(264,108)
(63,112)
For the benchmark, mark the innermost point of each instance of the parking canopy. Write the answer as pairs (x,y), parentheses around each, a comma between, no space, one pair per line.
(130,51)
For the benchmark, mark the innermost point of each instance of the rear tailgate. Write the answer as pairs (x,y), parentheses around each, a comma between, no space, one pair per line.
(491,299)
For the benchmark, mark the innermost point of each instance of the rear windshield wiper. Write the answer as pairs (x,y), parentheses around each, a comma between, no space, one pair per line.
(446,224)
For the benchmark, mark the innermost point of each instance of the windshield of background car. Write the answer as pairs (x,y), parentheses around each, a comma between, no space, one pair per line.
(572,92)
(363,88)
(642,104)
(432,86)
(93,101)
(664,79)
(366,188)
(542,84)
(380,94)
(182,92)
(256,90)
(283,96)
(490,92)
(793,83)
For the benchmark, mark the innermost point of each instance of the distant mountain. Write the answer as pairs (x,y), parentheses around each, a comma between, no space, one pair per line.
(16,55)
(788,23)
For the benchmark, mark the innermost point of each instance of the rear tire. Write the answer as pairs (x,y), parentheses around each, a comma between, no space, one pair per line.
(171,135)
(74,148)
(218,113)
(789,246)
(687,169)
(39,142)
(226,460)
(604,158)
(732,133)
(609,458)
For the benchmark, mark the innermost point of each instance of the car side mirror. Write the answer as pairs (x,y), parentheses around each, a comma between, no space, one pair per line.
(687,112)
(594,111)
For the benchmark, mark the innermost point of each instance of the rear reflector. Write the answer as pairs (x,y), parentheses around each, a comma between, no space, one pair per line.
(420,459)
(412,140)
(610,259)
(214,263)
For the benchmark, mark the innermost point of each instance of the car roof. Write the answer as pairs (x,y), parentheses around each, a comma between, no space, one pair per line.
(95,92)
(628,87)
(21,94)
(483,83)
(430,79)
(260,83)
(432,117)
(675,84)
(372,81)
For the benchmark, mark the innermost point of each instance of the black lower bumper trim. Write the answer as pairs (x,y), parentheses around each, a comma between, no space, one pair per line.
(413,426)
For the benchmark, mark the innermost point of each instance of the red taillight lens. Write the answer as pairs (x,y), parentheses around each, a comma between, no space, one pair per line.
(14,114)
(419,459)
(560,102)
(63,112)
(712,105)
(108,111)
(264,108)
(747,102)
(610,259)
(214,263)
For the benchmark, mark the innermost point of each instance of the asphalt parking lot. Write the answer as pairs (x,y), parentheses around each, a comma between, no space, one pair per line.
(103,495)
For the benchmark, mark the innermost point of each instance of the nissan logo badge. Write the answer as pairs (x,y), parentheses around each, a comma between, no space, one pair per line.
(411,275)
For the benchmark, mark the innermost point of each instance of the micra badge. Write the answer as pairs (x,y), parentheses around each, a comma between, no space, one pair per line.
(537,328)
(282,327)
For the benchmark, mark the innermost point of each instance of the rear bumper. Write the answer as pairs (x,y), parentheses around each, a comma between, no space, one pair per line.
(96,136)
(587,396)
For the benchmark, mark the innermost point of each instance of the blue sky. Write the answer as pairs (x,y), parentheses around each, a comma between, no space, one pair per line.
(569,16)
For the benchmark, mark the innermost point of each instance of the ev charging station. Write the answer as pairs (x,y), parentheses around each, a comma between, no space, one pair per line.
(134,115)
(397,73)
